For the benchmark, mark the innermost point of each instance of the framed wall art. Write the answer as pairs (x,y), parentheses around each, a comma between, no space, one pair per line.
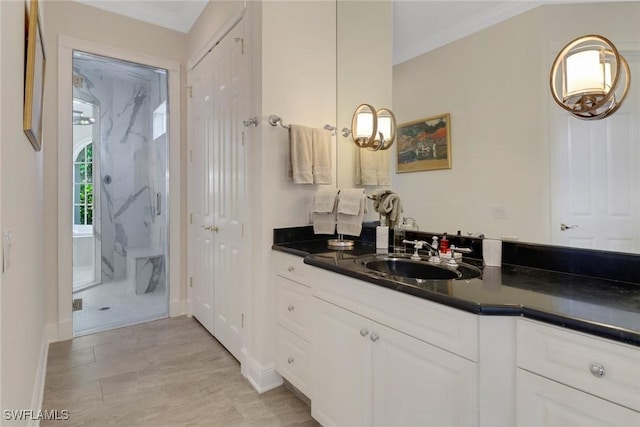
(34,78)
(424,144)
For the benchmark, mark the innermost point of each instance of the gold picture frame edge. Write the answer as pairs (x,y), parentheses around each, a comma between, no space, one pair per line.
(436,164)
(34,30)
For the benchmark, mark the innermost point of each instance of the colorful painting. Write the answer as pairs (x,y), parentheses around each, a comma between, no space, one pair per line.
(424,144)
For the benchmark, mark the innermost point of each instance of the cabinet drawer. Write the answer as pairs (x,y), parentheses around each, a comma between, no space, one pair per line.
(570,357)
(542,402)
(292,359)
(293,305)
(290,266)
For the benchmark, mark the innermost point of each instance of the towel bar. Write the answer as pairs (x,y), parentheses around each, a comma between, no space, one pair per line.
(277,120)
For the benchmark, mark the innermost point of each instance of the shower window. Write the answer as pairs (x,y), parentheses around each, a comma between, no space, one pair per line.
(83,189)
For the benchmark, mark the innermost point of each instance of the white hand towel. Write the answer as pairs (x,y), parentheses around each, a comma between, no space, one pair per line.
(321,142)
(301,148)
(372,167)
(324,211)
(351,204)
(324,200)
(382,166)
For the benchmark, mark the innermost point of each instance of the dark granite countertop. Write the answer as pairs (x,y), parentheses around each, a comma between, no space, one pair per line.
(605,308)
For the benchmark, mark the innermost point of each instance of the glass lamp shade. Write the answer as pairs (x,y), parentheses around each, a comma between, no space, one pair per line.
(386,129)
(586,73)
(364,125)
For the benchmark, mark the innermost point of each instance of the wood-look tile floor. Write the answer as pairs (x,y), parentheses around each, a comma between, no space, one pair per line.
(170,372)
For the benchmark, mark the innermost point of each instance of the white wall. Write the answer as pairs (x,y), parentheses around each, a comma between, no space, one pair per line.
(495,84)
(298,69)
(364,72)
(22,295)
(93,25)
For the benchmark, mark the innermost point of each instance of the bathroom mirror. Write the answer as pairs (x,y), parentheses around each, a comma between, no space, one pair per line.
(507,178)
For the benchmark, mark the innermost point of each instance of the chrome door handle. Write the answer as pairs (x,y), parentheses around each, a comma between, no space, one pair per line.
(565,227)
(597,370)
(364,332)
(374,337)
(210,228)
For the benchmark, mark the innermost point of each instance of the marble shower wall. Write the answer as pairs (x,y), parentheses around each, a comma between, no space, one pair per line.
(133,165)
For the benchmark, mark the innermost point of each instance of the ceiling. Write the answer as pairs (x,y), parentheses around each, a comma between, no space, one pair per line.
(418,25)
(178,15)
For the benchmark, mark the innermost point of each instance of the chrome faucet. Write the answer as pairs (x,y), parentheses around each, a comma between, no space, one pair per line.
(452,262)
(420,244)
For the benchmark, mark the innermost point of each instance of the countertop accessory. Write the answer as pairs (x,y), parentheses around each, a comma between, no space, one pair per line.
(492,252)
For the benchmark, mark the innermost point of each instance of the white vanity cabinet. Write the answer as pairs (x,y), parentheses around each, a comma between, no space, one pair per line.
(565,378)
(368,374)
(293,316)
(375,364)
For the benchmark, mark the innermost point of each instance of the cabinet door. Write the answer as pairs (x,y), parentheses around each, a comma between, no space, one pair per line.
(546,403)
(417,384)
(341,360)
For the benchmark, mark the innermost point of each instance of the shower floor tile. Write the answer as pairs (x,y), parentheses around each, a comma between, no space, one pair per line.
(114,304)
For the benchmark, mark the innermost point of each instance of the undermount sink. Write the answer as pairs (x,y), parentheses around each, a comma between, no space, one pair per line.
(400,265)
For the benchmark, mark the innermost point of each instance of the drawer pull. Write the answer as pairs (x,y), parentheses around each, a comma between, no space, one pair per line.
(364,332)
(290,360)
(374,337)
(291,268)
(597,370)
(291,308)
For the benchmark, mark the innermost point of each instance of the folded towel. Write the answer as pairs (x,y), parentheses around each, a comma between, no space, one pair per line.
(351,207)
(321,146)
(324,200)
(301,149)
(324,211)
(350,201)
(382,166)
(372,167)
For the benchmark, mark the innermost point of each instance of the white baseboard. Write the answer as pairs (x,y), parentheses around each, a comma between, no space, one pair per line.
(41,374)
(262,378)
(65,330)
(177,307)
(51,332)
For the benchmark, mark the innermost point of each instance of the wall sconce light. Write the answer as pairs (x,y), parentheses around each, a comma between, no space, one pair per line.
(589,78)
(371,128)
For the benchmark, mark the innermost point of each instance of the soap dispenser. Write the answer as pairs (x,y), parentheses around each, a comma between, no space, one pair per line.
(444,244)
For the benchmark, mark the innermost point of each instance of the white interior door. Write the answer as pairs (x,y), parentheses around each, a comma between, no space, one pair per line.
(229,187)
(217,189)
(201,238)
(595,176)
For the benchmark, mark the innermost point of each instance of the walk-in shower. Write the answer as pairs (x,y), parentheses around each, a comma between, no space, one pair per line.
(120,181)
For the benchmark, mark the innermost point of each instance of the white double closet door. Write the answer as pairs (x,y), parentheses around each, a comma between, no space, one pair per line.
(216,167)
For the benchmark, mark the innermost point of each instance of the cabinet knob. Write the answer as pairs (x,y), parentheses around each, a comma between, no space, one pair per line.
(597,370)
(291,308)
(374,337)
(364,332)
(290,360)
(290,268)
